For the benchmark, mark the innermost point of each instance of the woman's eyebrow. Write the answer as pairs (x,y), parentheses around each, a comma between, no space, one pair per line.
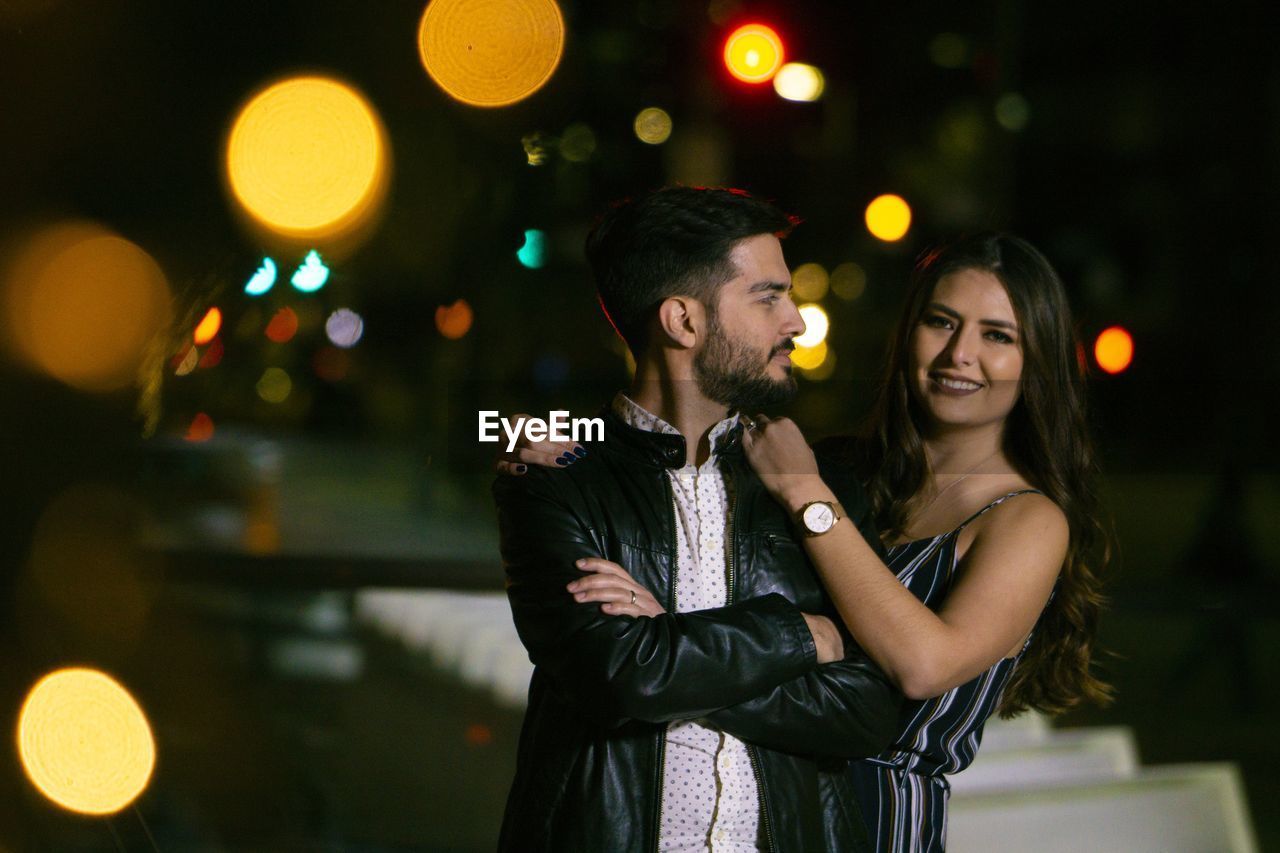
(954,314)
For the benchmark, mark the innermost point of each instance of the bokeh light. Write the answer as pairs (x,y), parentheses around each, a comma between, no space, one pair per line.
(85,742)
(848,281)
(578,143)
(186,360)
(808,358)
(491,53)
(816,325)
(753,53)
(283,326)
(263,279)
(274,385)
(533,253)
(212,356)
(311,274)
(344,328)
(1114,350)
(87,565)
(809,282)
(797,81)
(1012,111)
(208,327)
(454,321)
(84,306)
(949,50)
(307,158)
(825,366)
(331,364)
(200,430)
(653,125)
(888,218)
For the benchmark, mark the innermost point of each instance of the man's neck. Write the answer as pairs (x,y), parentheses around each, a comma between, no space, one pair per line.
(681,404)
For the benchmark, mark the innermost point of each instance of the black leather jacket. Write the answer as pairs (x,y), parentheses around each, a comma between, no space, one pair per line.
(589,769)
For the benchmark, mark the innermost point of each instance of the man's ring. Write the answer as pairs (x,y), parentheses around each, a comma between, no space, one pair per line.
(633,596)
(752,426)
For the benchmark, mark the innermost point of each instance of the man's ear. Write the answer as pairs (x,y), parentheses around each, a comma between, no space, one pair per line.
(683,320)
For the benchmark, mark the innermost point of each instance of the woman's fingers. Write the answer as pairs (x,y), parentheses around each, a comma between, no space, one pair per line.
(550,454)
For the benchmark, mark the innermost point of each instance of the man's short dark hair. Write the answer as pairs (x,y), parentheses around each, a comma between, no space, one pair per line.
(672,241)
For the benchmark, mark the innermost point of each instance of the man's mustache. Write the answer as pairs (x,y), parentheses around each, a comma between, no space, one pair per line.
(786,346)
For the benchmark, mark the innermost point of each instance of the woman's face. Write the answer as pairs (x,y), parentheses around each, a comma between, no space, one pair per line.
(965,357)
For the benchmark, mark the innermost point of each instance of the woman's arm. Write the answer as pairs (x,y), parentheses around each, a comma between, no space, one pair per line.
(1004,579)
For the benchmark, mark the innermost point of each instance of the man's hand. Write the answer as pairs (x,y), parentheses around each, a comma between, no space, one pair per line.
(825,636)
(617,592)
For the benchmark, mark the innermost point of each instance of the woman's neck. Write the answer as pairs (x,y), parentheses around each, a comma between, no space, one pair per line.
(956,453)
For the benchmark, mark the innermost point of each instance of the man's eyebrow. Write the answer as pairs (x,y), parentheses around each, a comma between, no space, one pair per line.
(951,312)
(761,286)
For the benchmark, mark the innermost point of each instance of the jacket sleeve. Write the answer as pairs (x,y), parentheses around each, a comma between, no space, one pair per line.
(847,709)
(674,666)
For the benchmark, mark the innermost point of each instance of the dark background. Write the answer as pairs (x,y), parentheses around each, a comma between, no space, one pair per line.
(1147,172)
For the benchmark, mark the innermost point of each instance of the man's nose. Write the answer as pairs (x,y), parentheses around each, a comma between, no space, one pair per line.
(793,326)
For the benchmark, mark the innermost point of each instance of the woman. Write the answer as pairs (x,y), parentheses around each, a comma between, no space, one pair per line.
(980,473)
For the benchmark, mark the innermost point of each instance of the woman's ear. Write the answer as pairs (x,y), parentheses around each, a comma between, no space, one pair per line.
(683,320)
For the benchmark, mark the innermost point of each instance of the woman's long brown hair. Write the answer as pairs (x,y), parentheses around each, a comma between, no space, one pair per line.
(1047,438)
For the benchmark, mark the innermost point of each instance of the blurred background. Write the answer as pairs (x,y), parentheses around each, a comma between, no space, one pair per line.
(261,265)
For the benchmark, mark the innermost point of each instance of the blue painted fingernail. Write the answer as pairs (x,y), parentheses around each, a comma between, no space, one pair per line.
(520,469)
(568,458)
(580,450)
(561,461)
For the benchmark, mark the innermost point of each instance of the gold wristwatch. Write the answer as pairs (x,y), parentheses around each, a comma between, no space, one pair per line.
(817,517)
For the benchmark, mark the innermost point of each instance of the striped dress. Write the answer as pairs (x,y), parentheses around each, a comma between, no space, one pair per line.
(903,791)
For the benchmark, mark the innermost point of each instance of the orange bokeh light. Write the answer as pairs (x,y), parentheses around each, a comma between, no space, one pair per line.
(201,429)
(83,305)
(207,328)
(753,53)
(283,326)
(454,321)
(1114,350)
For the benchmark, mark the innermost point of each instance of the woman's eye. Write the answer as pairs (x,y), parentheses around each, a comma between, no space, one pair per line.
(999,337)
(937,321)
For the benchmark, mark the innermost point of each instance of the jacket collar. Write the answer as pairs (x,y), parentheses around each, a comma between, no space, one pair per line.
(662,449)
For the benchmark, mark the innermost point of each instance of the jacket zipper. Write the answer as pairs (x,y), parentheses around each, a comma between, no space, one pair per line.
(671,608)
(751,750)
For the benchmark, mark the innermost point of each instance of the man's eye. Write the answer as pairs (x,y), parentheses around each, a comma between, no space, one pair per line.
(770,299)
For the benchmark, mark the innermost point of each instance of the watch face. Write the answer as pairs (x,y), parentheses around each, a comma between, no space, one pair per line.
(818,517)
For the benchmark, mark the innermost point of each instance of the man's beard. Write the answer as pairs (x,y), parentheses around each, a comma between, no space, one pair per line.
(730,372)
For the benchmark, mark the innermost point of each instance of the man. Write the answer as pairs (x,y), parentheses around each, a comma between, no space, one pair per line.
(718,713)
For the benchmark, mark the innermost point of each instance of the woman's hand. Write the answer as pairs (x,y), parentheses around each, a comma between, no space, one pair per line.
(551,454)
(782,459)
(609,584)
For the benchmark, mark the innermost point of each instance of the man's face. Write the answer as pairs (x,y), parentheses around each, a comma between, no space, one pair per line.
(746,361)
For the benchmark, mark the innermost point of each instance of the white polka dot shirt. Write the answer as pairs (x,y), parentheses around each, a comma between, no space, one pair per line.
(709,797)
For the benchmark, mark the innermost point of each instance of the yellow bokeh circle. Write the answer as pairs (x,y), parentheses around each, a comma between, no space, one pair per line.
(84,306)
(888,218)
(85,742)
(307,158)
(491,53)
(753,53)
